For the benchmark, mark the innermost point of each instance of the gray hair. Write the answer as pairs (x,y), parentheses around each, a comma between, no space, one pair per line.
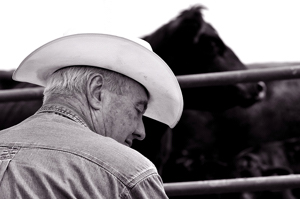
(73,79)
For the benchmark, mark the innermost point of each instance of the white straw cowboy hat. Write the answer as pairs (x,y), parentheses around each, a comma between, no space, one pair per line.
(131,57)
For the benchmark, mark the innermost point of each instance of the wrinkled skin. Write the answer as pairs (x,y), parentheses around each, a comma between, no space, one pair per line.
(120,116)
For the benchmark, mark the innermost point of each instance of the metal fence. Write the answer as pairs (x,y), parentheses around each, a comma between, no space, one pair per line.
(186,81)
(200,80)
(274,183)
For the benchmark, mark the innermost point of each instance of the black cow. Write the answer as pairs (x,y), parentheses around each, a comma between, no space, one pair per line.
(273,119)
(190,45)
(226,133)
(269,159)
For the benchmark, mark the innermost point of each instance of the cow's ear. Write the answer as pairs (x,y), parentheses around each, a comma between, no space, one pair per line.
(94,90)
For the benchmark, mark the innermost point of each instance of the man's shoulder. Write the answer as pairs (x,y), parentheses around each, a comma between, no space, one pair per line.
(115,153)
(127,164)
(124,163)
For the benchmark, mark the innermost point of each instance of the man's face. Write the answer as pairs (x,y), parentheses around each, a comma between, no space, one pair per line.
(122,114)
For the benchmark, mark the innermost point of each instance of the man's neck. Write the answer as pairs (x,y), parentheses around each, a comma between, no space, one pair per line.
(76,103)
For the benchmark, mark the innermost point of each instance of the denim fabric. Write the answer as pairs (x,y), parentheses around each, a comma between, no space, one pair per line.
(50,156)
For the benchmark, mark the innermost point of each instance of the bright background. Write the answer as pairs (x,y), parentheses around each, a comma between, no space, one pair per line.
(256,30)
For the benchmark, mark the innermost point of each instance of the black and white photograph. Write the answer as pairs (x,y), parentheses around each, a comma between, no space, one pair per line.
(191,99)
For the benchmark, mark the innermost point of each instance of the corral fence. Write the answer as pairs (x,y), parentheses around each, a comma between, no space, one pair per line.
(185,81)
(200,80)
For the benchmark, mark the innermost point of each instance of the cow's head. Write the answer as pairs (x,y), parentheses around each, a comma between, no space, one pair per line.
(189,45)
(269,159)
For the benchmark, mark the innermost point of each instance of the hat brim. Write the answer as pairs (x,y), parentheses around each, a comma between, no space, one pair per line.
(114,53)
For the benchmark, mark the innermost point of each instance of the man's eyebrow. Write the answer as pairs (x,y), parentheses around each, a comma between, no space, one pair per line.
(144,103)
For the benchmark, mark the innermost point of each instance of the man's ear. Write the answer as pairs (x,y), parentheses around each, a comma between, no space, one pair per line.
(94,90)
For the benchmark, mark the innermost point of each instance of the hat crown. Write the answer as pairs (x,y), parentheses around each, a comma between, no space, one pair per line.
(74,31)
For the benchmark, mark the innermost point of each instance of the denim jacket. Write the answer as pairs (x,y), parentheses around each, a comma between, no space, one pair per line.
(53,154)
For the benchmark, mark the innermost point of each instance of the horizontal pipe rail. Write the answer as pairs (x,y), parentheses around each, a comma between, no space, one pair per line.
(186,81)
(239,76)
(21,94)
(274,183)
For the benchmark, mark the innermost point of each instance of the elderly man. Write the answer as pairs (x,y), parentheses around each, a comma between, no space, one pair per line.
(97,89)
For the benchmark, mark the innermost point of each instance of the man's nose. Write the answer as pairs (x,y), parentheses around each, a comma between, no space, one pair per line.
(140,133)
